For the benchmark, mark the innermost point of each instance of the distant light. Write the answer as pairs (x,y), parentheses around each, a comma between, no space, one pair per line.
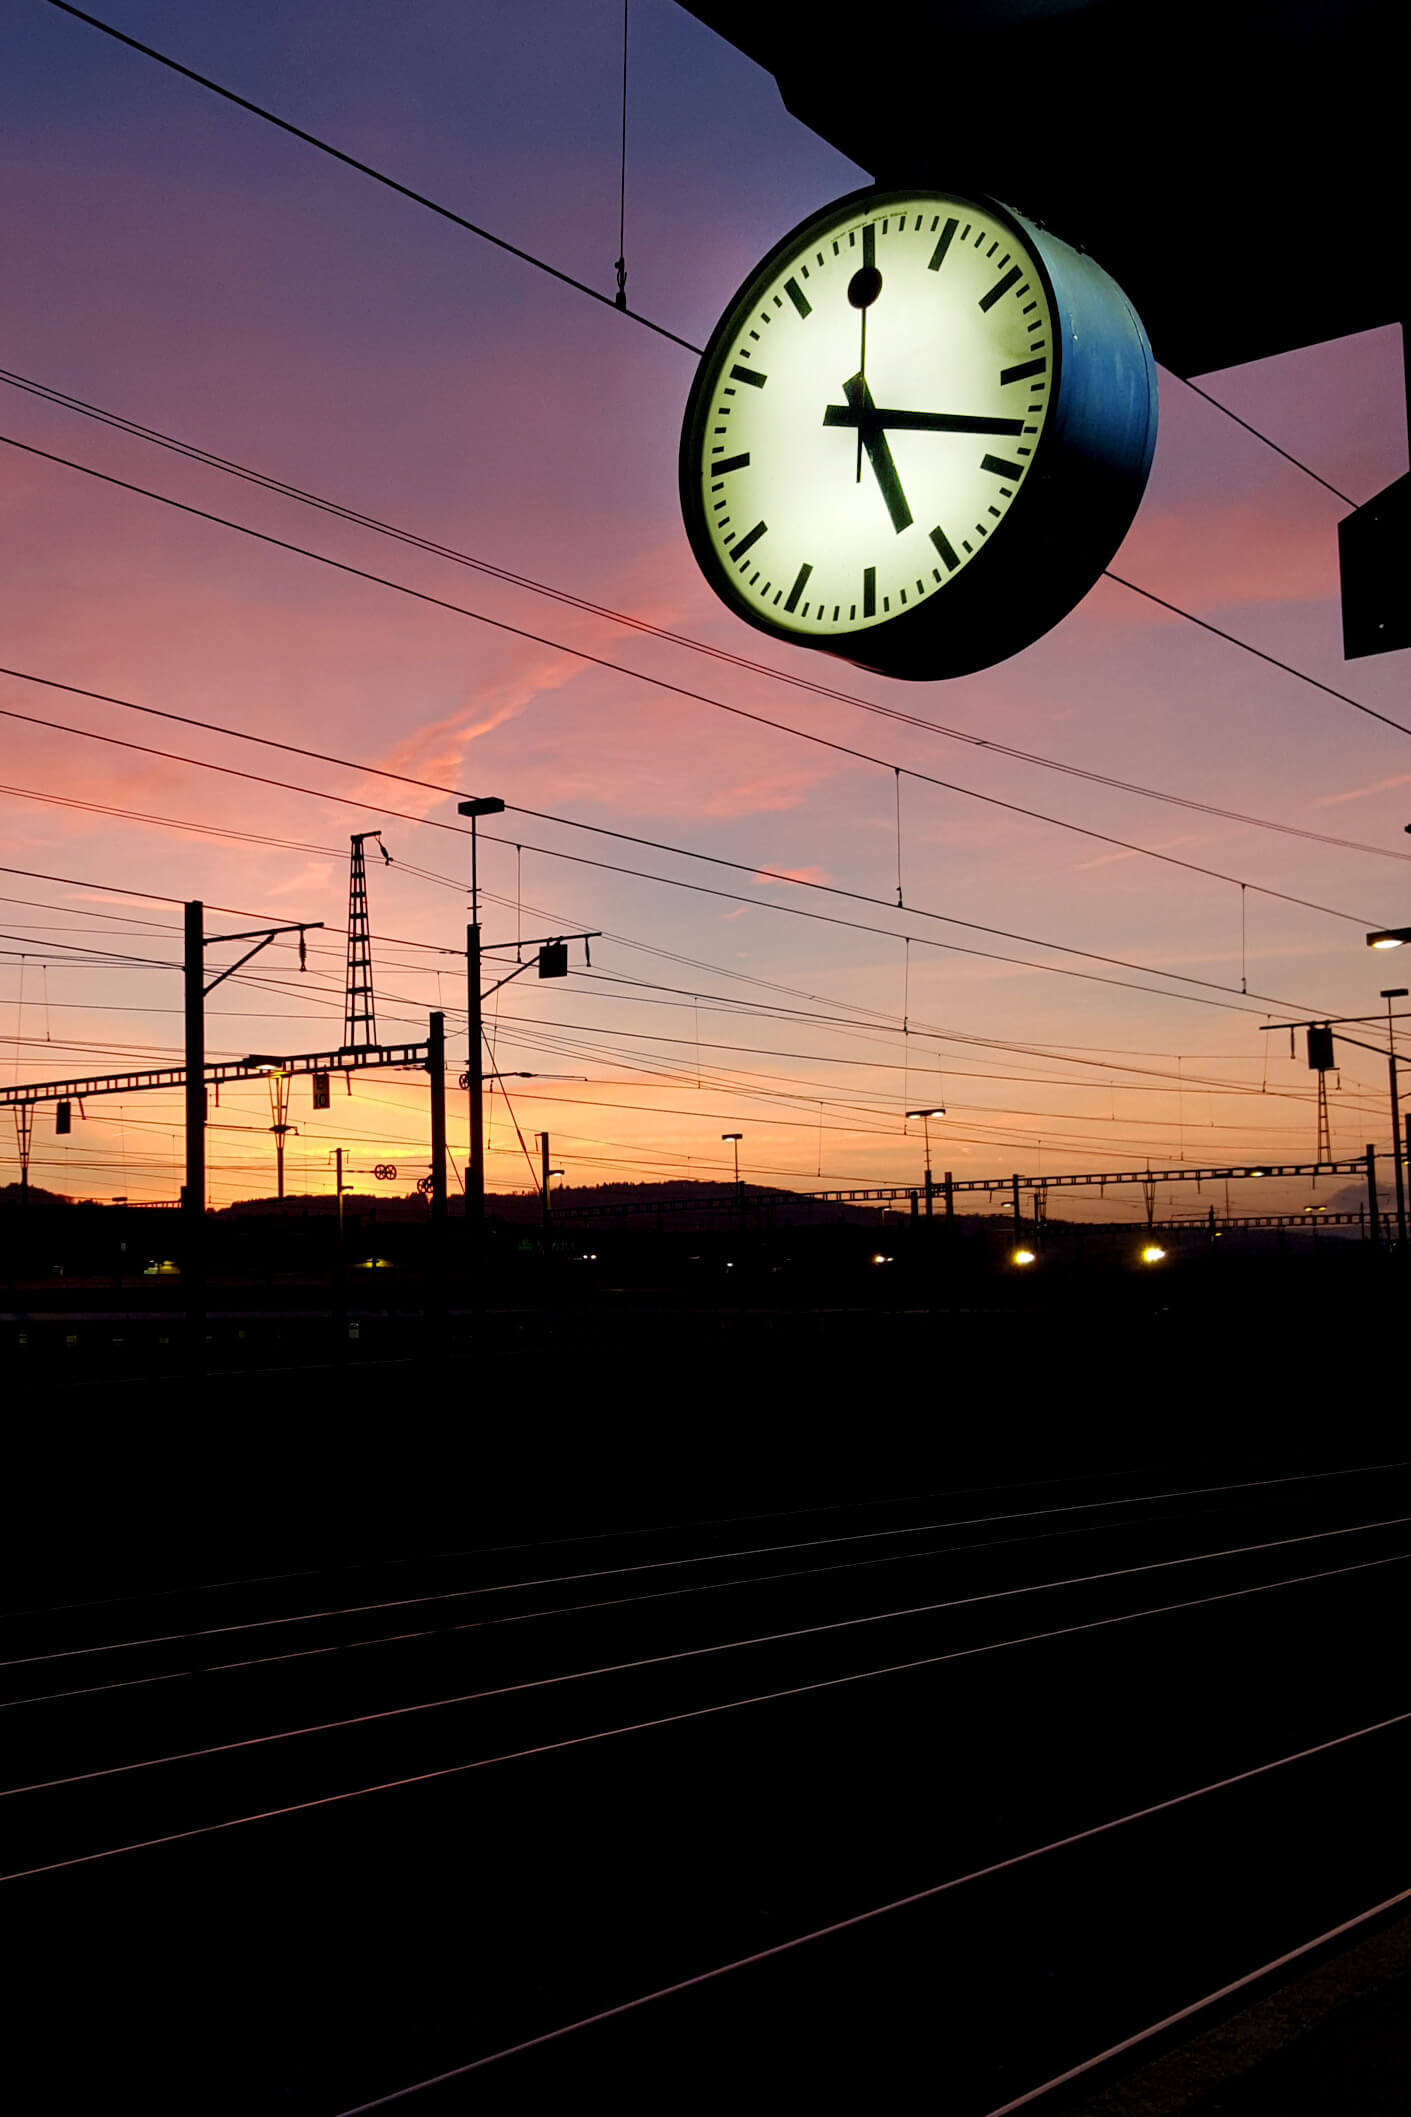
(1153,1253)
(1390,937)
(1023,1257)
(939,1111)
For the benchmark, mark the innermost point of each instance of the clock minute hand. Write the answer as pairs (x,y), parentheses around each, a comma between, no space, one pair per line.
(880,416)
(860,411)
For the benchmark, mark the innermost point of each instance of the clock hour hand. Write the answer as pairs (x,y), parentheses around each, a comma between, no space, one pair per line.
(881,416)
(860,412)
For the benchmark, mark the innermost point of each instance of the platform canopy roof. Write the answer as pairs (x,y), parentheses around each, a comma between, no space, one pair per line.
(1231,162)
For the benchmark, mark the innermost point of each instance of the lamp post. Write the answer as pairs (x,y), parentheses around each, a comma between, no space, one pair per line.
(734,1139)
(925,1117)
(1390,937)
(490,805)
(1396,992)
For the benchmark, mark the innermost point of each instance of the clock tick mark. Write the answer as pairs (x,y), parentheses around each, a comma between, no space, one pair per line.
(946,549)
(748,542)
(1024,370)
(938,255)
(730,463)
(752,376)
(1002,467)
(800,583)
(869,591)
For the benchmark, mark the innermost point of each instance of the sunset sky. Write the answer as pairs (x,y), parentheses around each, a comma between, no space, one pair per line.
(172,259)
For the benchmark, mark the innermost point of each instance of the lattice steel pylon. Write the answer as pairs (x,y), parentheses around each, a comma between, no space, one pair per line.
(359,1007)
(1325,1130)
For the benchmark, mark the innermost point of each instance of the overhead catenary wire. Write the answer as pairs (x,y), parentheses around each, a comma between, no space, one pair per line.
(727,656)
(417,198)
(527,257)
(1125,845)
(711,890)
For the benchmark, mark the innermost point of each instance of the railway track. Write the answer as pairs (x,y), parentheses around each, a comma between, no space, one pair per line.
(980,1782)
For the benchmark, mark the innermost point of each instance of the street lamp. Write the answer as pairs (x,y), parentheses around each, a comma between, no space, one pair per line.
(490,805)
(1390,937)
(734,1139)
(925,1117)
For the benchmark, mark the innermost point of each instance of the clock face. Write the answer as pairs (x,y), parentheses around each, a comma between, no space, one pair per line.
(868,412)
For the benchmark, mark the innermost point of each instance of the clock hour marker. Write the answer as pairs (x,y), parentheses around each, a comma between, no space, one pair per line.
(797,296)
(800,583)
(1001,286)
(728,463)
(748,541)
(1002,469)
(1025,369)
(938,255)
(946,549)
(750,375)
(869,591)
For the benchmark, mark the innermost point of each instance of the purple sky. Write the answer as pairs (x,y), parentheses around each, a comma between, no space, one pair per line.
(172,258)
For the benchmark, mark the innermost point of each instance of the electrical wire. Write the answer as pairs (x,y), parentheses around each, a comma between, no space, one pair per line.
(727,656)
(525,256)
(417,198)
(656,682)
(706,889)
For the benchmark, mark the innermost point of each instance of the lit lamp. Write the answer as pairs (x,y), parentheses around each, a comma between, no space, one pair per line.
(1390,937)
(925,1117)
(1153,1253)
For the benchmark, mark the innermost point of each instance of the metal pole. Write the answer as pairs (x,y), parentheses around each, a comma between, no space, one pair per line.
(544,1185)
(950,1195)
(1018,1217)
(437,1286)
(1396,1130)
(475,1159)
(436,1068)
(1373,1220)
(193,1194)
(338,1157)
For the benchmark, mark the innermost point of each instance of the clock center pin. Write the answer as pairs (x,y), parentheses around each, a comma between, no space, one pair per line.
(864,286)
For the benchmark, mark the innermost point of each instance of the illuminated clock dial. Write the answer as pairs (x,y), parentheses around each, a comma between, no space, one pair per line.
(875,409)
